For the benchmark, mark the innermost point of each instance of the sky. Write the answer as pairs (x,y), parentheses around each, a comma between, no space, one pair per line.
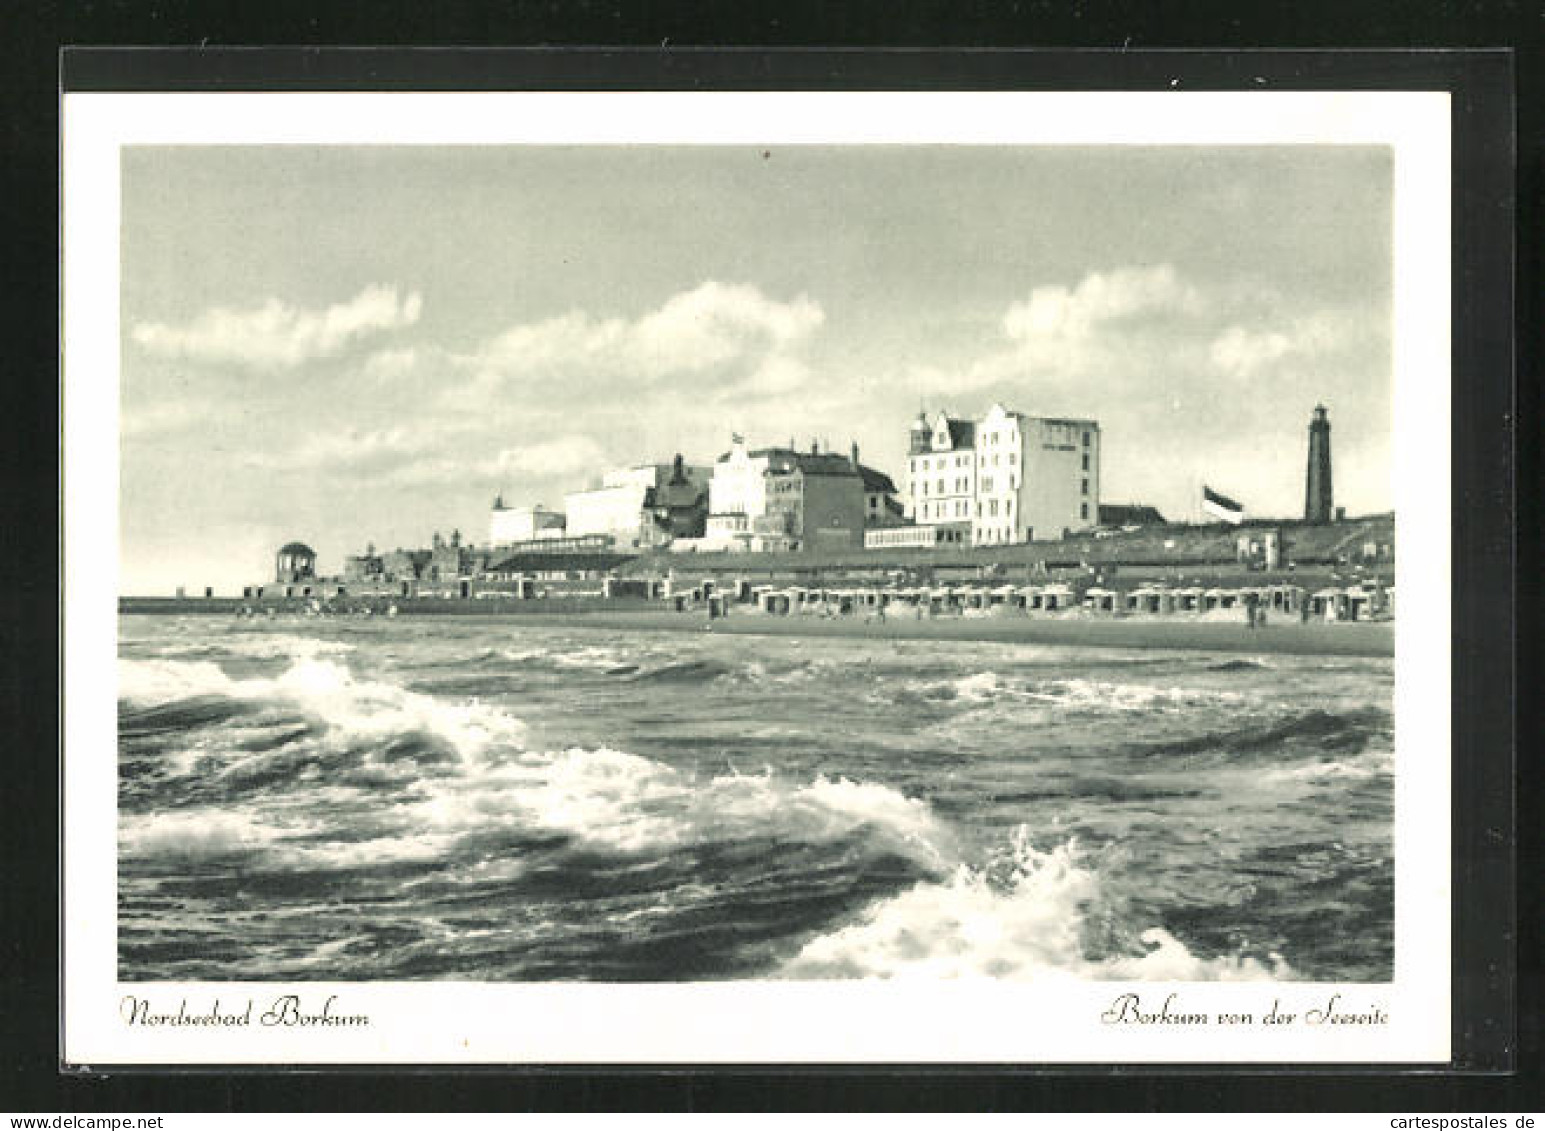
(352,345)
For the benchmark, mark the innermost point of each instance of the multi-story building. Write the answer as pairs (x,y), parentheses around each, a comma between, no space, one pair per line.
(681,504)
(521,524)
(1005,478)
(882,503)
(1037,477)
(780,499)
(941,471)
(623,506)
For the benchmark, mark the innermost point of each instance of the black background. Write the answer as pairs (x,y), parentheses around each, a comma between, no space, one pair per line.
(1496,445)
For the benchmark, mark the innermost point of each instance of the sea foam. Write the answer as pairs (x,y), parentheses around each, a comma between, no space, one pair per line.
(1027,926)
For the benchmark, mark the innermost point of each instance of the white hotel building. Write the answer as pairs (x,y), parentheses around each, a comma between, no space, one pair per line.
(1004,478)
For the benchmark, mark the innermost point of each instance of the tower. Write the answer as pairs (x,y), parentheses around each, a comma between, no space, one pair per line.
(1318,504)
(920,434)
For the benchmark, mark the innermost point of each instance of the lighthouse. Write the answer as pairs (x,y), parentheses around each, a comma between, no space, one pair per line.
(1318,503)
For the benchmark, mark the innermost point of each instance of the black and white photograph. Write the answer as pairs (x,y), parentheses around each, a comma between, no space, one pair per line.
(757,560)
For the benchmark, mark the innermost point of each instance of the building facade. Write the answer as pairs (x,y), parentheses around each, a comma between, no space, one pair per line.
(681,504)
(777,499)
(911,536)
(623,506)
(1037,477)
(1012,477)
(941,470)
(295,561)
(521,524)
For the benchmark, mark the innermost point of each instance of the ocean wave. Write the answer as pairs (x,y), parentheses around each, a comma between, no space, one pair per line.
(462,769)
(1027,925)
(1377,759)
(1238,666)
(354,712)
(1346,731)
(1072,695)
(282,646)
(213,835)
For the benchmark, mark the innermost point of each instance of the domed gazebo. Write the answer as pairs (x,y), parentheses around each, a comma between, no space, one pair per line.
(295,561)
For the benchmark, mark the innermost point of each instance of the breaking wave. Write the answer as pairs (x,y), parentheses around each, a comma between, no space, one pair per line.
(1026,925)
(461,805)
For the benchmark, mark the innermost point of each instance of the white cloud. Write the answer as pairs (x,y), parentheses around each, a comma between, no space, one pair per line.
(279,335)
(1243,353)
(389,364)
(352,449)
(708,340)
(563,457)
(1055,312)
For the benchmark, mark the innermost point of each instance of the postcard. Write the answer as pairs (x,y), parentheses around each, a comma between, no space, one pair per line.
(665,577)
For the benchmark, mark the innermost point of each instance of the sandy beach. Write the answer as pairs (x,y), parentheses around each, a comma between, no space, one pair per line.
(1282,636)
(1289,638)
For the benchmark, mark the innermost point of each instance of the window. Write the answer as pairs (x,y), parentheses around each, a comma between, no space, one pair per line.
(1086,439)
(1086,486)
(1083,510)
(1086,461)
(992,508)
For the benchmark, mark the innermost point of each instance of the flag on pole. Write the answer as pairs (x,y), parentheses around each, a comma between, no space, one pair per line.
(1221,506)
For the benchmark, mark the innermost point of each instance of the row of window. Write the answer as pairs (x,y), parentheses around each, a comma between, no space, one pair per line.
(962,487)
(941,463)
(960,508)
(937,463)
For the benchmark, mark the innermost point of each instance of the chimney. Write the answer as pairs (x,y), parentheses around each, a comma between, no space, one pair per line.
(855,453)
(815,447)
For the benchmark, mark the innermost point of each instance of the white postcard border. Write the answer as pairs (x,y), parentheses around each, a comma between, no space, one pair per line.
(743,1022)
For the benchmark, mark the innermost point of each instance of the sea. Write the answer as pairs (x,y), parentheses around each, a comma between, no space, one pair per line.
(486,799)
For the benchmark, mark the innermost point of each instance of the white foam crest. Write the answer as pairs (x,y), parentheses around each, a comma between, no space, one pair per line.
(356,711)
(148,682)
(192,834)
(978,688)
(631,804)
(367,711)
(207,833)
(989,687)
(1025,928)
(1095,694)
(1375,761)
(260,645)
